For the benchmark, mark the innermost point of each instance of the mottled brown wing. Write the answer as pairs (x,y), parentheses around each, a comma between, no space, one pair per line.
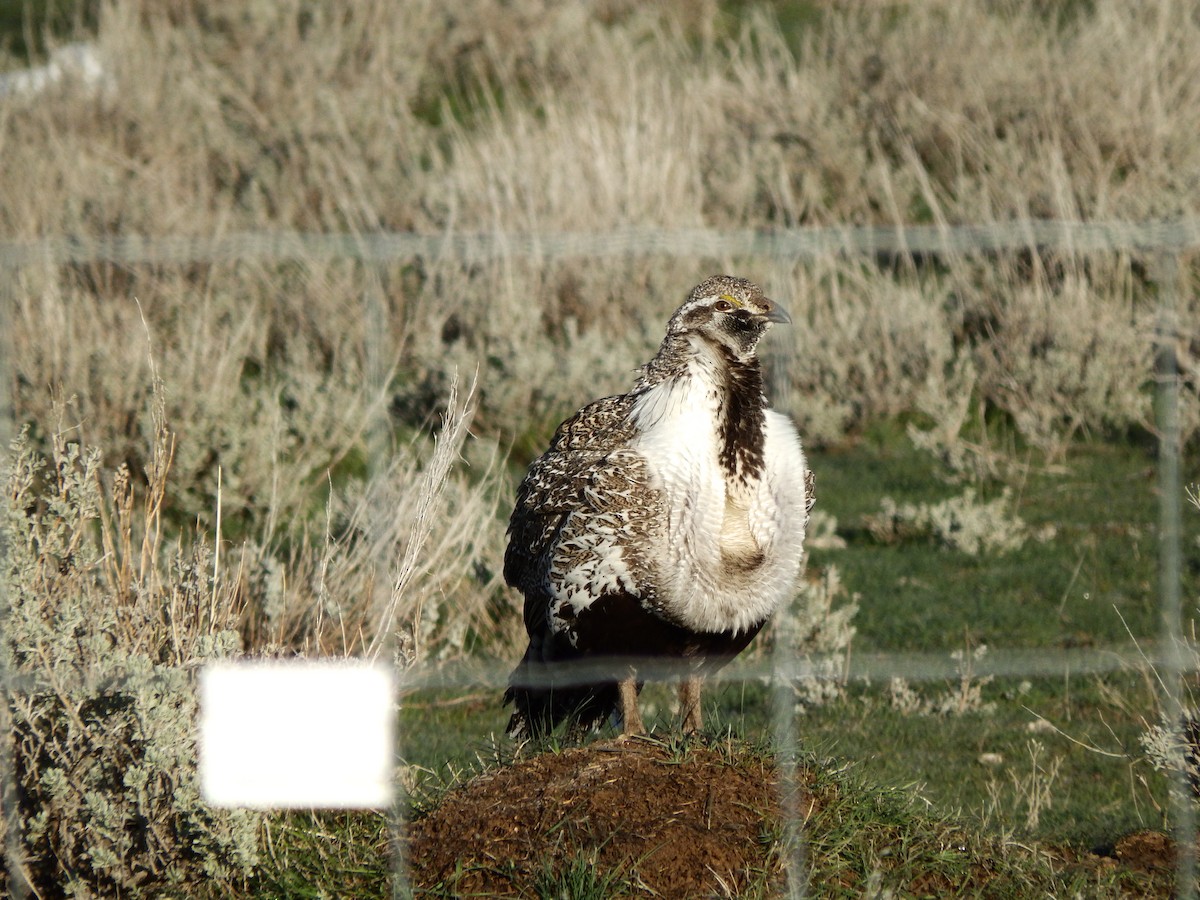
(582,513)
(562,489)
(603,546)
(553,486)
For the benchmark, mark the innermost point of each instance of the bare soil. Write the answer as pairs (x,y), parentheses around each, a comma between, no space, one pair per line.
(1146,851)
(679,824)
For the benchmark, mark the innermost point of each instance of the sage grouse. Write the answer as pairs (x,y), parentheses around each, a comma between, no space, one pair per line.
(664,523)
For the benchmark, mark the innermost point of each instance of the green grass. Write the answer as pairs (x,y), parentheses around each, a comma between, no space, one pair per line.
(1096,797)
(579,880)
(794,18)
(322,854)
(1084,586)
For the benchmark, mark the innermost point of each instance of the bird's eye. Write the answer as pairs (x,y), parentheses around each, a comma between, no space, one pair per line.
(722,306)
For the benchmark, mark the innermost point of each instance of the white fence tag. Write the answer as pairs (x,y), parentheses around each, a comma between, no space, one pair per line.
(297,734)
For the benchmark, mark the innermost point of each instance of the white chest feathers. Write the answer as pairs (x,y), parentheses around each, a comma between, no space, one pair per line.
(728,552)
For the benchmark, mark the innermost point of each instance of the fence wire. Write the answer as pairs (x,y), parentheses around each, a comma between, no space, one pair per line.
(795,243)
(1164,243)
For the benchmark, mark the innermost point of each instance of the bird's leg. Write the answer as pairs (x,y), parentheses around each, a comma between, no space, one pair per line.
(689,702)
(631,716)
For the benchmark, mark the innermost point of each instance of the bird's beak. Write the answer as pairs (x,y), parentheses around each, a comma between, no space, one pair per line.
(776,313)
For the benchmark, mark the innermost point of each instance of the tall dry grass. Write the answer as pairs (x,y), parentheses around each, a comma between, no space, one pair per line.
(544,117)
(110,607)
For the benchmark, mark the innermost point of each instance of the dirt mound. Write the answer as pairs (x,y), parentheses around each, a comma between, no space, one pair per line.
(679,822)
(1146,851)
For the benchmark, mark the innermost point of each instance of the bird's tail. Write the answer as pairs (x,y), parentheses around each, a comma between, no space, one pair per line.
(539,706)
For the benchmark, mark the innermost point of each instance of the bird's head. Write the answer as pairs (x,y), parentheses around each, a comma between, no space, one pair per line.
(728,311)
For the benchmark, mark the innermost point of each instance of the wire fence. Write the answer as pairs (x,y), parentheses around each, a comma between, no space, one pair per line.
(1169,237)
(1163,245)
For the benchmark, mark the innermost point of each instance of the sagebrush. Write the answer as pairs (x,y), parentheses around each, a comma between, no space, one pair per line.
(105,622)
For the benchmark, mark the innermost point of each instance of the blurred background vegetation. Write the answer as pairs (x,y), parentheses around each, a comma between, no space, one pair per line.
(27,26)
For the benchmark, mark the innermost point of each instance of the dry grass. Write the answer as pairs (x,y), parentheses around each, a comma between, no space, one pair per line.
(298,390)
(291,116)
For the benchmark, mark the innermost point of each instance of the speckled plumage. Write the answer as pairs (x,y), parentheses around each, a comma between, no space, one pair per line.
(665,522)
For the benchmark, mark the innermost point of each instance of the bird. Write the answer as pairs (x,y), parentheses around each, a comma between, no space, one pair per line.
(662,524)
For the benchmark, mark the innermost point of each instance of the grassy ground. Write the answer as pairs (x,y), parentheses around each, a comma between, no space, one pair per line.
(1086,577)
(1052,760)
(974,804)
(859,835)
(962,764)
